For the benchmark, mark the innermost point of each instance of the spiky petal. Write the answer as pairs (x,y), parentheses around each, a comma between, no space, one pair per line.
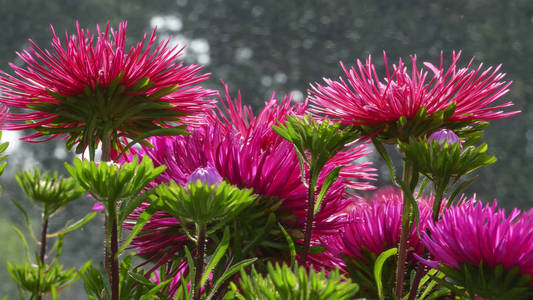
(244,156)
(476,233)
(364,99)
(90,83)
(374,226)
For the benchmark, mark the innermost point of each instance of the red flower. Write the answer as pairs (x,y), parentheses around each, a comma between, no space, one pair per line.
(365,100)
(92,87)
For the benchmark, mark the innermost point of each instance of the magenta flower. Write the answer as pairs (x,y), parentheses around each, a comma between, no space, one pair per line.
(91,87)
(248,155)
(374,226)
(473,234)
(365,100)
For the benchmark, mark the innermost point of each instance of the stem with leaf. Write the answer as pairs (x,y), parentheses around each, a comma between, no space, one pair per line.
(42,252)
(199,264)
(110,223)
(409,180)
(310,216)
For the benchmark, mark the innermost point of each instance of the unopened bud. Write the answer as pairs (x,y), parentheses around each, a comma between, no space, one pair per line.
(207,175)
(444,136)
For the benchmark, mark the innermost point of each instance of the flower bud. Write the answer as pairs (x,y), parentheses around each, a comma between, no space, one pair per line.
(207,175)
(442,136)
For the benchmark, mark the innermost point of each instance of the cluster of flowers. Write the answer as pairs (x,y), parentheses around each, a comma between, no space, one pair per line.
(94,88)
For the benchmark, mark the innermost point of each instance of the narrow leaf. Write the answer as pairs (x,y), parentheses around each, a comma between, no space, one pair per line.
(217,256)
(378,269)
(330,179)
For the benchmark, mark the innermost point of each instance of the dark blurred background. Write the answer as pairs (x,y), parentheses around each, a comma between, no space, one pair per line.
(263,46)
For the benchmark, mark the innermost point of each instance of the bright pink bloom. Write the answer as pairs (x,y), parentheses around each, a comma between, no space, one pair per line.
(365,100)
(374,226)
(84,68)
(474,233)
(249,156)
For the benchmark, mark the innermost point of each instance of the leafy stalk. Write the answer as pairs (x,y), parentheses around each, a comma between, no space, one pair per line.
(309,218)
(409,179)
(42,252)
(199,264)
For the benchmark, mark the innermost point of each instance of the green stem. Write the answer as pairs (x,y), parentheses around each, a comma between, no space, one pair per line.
(110,223)
(309,218)
(407,177)
(439,194)
(200,253)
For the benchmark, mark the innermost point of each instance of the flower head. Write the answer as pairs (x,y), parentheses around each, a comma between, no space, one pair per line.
(475,234)
(246,157)
(374,226)
(91,87)
(463,93)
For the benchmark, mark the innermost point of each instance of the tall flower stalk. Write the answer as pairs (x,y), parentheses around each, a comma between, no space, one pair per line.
(315,143)
(53,193)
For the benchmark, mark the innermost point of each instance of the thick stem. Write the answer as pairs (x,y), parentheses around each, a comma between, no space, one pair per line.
(407,178)
(42,253)
(114,278)
(309,218)
(200,253)
(110,259)
(106,148)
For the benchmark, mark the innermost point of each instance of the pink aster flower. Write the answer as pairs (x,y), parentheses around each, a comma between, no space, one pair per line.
(364,99)
(474,233)
(90,86)
(374,226)
(243,158)
(239,119)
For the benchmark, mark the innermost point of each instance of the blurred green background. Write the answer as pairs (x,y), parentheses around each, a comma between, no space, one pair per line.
(261,46)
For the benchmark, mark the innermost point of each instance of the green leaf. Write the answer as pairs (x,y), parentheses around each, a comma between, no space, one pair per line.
(411,200)
(230,272)
(217,256)
(141,221)
(71,227)
(171,131)
(292,248)
(192,269)
(383,153)
(330,179)
(378,269)
(460,189)
(24,242)
(26,220)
